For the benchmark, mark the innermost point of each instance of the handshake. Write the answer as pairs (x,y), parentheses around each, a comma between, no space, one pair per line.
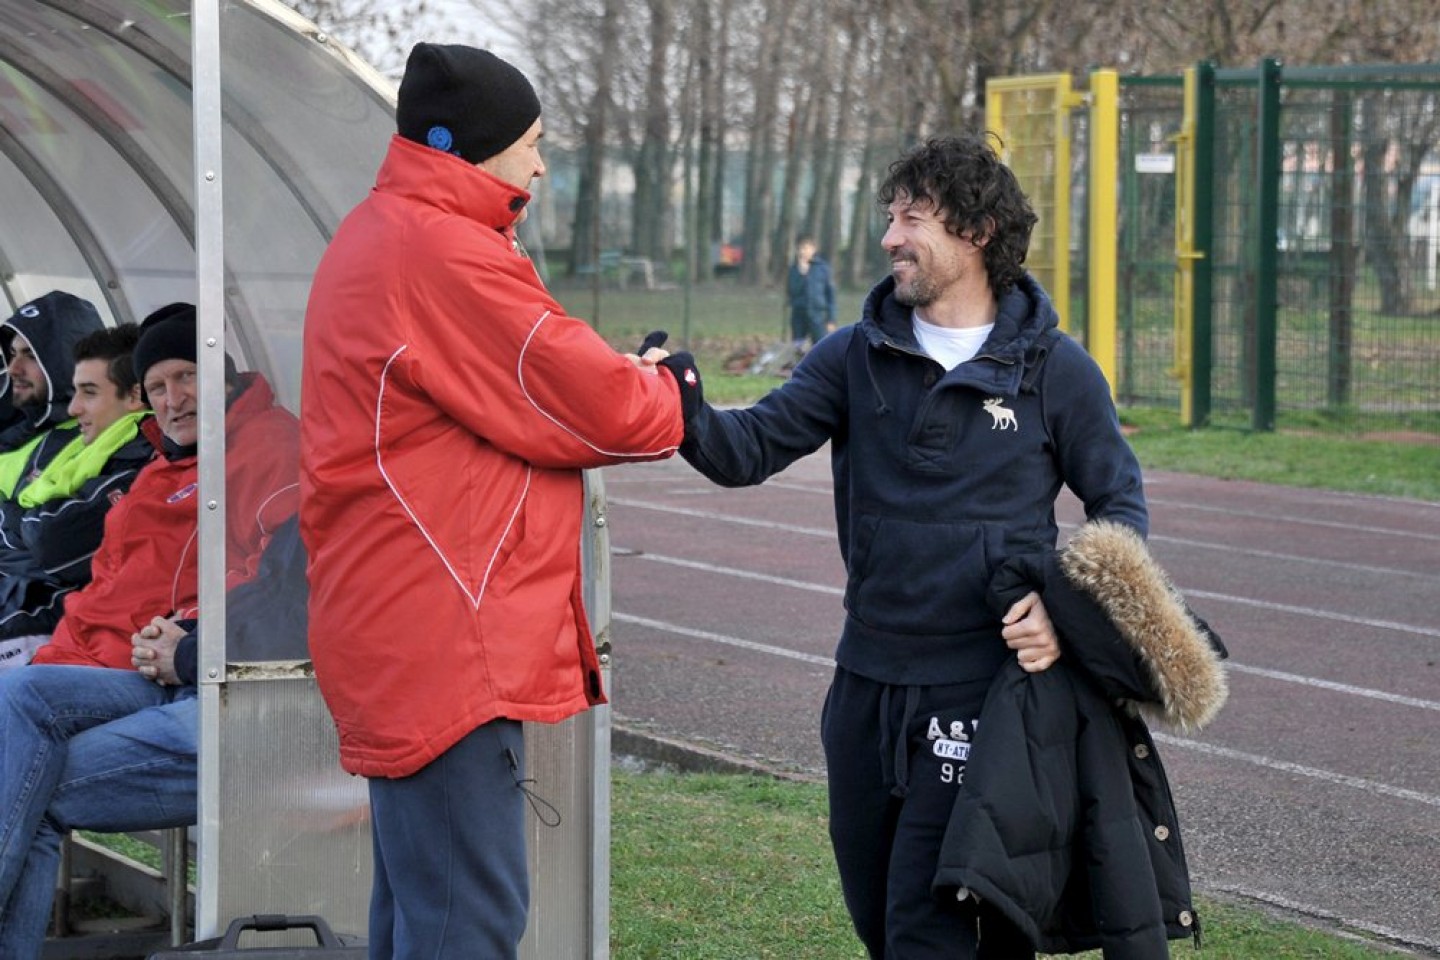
(681,366)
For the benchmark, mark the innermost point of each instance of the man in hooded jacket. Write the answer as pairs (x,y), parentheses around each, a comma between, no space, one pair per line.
(39,341)
(955,411)
(53,524)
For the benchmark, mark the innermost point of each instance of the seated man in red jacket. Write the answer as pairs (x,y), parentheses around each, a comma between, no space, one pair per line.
(115,749)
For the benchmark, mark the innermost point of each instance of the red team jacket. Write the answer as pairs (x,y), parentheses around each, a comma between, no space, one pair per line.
(147,563)
(449,406)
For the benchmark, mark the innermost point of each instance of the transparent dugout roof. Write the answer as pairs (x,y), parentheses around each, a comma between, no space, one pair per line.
(96,171)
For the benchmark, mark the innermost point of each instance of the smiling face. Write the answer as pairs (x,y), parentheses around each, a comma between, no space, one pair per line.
(28,384)
(98,402)
(171,386)
(927,261)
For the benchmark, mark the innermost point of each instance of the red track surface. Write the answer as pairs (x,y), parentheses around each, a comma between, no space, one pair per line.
(1317,789)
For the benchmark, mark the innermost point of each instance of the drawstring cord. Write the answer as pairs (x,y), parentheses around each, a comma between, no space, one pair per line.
(896,749)
(545,811)
(881,407)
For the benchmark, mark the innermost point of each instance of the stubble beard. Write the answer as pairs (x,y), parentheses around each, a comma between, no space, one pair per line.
(919,292)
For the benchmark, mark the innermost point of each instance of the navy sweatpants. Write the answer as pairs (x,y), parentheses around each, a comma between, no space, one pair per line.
(896,758)
(451,880)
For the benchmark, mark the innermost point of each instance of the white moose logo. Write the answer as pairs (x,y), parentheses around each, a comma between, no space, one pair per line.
(1002,416)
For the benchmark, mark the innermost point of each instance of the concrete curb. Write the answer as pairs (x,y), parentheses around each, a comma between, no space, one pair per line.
(690,758)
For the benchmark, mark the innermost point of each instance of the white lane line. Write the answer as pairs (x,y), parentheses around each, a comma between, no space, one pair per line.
(726,640)
(1283,766)
(1404,701)
(1287,518)
(1330,685)
(742,574)
(1290,557)
(1311,612)
(1314,773)
(1203,594)
(827,533)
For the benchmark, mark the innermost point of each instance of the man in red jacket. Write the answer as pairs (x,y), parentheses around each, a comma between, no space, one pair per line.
(115,749)
(450,405)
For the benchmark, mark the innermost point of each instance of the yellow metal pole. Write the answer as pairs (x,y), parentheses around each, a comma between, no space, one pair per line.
(1060,213)
(1104,225)
(1185,250)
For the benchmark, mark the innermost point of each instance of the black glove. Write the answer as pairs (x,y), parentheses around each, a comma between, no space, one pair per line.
(655,338)
(687,377)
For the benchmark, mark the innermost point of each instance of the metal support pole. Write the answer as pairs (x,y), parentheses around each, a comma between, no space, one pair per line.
(1267,194)
(1202,319)
(1100,317)
(210,358)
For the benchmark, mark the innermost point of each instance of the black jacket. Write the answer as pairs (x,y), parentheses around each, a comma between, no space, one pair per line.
(940,476)
(45,550)
(1065,821)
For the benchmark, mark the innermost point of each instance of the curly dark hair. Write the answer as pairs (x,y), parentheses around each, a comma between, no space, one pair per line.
(963,178)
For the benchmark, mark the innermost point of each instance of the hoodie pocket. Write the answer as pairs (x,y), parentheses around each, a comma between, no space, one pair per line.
(916,577)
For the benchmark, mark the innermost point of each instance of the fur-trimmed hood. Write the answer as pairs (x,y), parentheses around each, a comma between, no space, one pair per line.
(1123,622)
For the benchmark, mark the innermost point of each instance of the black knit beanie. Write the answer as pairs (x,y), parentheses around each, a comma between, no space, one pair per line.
(464,101)
(166,334)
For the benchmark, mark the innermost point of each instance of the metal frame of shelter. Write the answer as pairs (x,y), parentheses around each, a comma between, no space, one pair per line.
(155,150)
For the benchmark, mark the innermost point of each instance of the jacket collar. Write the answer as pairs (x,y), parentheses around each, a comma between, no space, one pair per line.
(1024,314)
(448,183)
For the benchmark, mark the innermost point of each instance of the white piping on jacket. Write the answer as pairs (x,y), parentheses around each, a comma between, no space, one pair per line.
(266,502)
(479,594)
(520,380)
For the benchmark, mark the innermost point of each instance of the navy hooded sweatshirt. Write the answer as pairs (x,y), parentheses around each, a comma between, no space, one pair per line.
(939,476)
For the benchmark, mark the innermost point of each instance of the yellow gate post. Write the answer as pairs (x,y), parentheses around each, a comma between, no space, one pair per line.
(1185,252)
(1101,314)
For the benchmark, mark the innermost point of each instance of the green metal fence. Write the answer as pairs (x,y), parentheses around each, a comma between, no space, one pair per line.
(1317,222)
(1150,116)
(1325,244)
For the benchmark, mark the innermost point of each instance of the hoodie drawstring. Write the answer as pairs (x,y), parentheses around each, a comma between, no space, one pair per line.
(895,750)
(881,407)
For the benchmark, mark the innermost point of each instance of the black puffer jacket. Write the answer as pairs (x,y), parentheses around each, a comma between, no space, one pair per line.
(1065,821)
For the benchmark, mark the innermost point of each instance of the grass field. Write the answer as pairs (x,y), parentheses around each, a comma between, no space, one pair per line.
(725,867)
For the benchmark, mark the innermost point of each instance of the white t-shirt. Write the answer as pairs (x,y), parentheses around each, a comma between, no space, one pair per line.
(950,346)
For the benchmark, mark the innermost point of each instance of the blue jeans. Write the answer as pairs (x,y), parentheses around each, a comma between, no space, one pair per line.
(82,748)
(451,881)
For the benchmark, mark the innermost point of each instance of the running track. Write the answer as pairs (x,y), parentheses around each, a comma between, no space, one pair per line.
(1316,791)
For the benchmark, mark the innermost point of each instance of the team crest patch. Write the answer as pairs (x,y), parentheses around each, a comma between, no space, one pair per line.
(185,491)
(114,496)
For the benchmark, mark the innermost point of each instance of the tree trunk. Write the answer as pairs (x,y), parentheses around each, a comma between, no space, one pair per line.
(585,232)
(652,166)
(706,211)
(824,218)
(759,173)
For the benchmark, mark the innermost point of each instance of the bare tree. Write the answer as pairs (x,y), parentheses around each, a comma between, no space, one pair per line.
(653,162)
(375,29)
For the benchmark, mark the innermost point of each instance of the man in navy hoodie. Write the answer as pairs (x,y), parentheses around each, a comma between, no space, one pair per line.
(955,410)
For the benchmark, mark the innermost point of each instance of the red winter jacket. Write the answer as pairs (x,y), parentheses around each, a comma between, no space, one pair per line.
(147,565)
(449,407)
